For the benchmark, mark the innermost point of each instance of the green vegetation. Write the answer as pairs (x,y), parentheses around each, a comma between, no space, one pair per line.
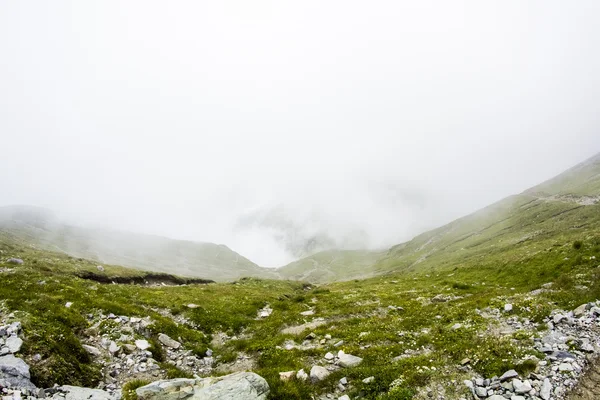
(39,227)
(420,336)
(435,304)
(128,391)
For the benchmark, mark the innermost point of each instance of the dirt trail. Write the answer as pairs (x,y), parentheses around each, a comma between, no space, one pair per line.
(589,385)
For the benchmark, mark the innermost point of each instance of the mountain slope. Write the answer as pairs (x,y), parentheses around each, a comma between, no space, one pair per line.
(560,208)
(207,260)
(331,265)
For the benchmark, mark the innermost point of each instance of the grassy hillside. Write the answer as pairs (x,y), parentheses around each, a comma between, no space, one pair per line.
(205,260)
(408,341)
(438,302)
(332,265)
(559,210)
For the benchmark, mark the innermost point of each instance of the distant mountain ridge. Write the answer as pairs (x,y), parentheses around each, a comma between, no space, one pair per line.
(557,207)
(40,227)
(554,208)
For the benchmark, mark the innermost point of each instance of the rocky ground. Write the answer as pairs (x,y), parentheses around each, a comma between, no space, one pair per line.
(567,369)
(569,347)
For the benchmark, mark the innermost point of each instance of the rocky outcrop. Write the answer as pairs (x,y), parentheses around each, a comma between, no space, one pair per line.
(572,340)
(241,385)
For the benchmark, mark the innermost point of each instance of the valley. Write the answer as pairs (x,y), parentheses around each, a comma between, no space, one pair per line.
(511,289)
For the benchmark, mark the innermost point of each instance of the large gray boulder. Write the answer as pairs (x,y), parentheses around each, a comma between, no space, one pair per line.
(172,389)
(79,393)
(15,372)
(241,385)
(348,360)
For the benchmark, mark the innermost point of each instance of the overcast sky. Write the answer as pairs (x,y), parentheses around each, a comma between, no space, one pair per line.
(234,121)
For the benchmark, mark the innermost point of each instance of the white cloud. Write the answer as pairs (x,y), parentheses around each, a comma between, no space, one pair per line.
(384,118)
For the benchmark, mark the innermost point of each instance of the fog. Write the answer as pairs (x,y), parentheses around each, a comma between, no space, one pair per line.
(279,128)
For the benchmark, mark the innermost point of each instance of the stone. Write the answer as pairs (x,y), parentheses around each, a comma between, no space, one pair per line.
(515,397)
(510,374)
(508,307)
(15,372)
(167,341)
(286,376)
(100,268)
(329,356)
(307,313)
(79,393)
(301,375)
(113,348)
(338,344)
(14,261)
(481,391)
(318,373)
(14,344)
(142,344)
(166,389)
(192,305)
(563,355)
(579,311)
(344,397)
(521,387)
(68,304)
(369,379)
(240,385)
(565,367)
(348,360)
(557,318)
(92,350)
(456,326)
(440,298)
(496,397)
(465,361)
(344,381)
(546,389)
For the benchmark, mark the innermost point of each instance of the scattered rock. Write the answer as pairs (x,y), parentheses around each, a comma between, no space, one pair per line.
(142,344)
(167,341)
(92,350)
(286,376)
(14,261)
(510,374)
(546,389)
(113,348)
(348,360)
(318,373)
(13,343)
(521,387)
(301,375)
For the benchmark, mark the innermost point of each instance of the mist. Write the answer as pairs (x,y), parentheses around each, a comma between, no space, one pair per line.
(284,128)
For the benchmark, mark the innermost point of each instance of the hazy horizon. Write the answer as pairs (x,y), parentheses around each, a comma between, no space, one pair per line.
(275,128)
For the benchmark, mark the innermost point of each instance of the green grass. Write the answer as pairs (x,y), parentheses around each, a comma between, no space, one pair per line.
(356,312)
(478,263)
